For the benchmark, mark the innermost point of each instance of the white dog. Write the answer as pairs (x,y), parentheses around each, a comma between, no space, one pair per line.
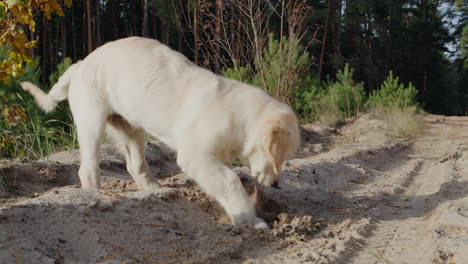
(134,85)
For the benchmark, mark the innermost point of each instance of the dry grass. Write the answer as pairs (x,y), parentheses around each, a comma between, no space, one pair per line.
(402,122)
(330,118)
(7,184)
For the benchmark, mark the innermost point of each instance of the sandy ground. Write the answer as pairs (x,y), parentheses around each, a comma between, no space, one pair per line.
(352,195)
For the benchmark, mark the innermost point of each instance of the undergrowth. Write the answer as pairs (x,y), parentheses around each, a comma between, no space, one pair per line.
(26,131)
(397,106)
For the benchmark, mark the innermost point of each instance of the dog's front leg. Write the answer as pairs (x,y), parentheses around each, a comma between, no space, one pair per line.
(221,183)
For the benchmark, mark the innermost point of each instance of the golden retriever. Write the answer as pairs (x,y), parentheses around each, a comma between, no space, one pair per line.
(137,85)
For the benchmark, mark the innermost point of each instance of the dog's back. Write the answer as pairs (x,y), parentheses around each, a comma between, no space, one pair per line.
(160,90)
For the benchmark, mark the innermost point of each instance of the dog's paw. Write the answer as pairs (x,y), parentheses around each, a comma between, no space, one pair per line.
(261,224)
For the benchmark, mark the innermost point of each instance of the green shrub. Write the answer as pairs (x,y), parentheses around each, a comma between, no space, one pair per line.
(306,100)
(392,93)
(25,130)
(284,74)
(61,68)
(285,67)
(243,74)
(341,99)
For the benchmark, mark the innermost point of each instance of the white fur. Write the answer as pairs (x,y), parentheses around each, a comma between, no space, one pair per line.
(136,85)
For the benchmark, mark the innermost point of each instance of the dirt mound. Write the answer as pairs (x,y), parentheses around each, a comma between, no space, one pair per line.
(22,179)
(316,138)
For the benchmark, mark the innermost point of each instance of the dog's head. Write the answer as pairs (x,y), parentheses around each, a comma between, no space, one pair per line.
(277,140)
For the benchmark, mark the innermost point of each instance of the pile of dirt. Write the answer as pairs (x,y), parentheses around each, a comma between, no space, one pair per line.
(23,179)
(316,138)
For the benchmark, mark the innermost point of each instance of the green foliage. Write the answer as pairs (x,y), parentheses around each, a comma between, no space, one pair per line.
(25,130)
(284,73)
(393,93)
(342,99)
(464,46)
(306,100)
(61,68)
(14,15)
(285,65)
(243,74)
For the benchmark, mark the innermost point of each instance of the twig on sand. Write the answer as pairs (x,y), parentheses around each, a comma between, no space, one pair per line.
(357,242)
(17,256)
(110,193)
(26,189)
(136,258)
(380,257)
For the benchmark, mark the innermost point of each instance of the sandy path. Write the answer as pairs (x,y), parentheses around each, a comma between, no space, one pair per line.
(369,200)
(427,222)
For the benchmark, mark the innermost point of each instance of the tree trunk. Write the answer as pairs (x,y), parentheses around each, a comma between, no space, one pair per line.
(73,34)
(180,32)
(370,81)
(63,38)
(163,31)
(219,19)
(114,20)
(144,30)
(238,45)
(90,29)
(338,29)
(32,37)
(134,26)
(98,23)
(324,39)
(55,51)
(44,49)
(155,27)
(195,32)
(168,29)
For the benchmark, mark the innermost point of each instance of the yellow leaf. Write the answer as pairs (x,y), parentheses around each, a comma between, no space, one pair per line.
(11,3)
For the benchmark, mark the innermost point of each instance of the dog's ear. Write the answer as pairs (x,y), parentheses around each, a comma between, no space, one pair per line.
(275,145)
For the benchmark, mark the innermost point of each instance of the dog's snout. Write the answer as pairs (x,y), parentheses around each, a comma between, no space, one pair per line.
(275,185)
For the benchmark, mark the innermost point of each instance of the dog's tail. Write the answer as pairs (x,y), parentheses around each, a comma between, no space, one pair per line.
(59,91)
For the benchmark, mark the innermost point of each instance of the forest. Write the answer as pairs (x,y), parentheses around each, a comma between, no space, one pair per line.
(310,54)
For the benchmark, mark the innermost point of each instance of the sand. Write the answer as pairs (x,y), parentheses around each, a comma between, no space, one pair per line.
(352,195)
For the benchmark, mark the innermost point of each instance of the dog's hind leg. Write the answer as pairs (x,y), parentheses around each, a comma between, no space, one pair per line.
(89,118)
(131,142)
(221,183)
